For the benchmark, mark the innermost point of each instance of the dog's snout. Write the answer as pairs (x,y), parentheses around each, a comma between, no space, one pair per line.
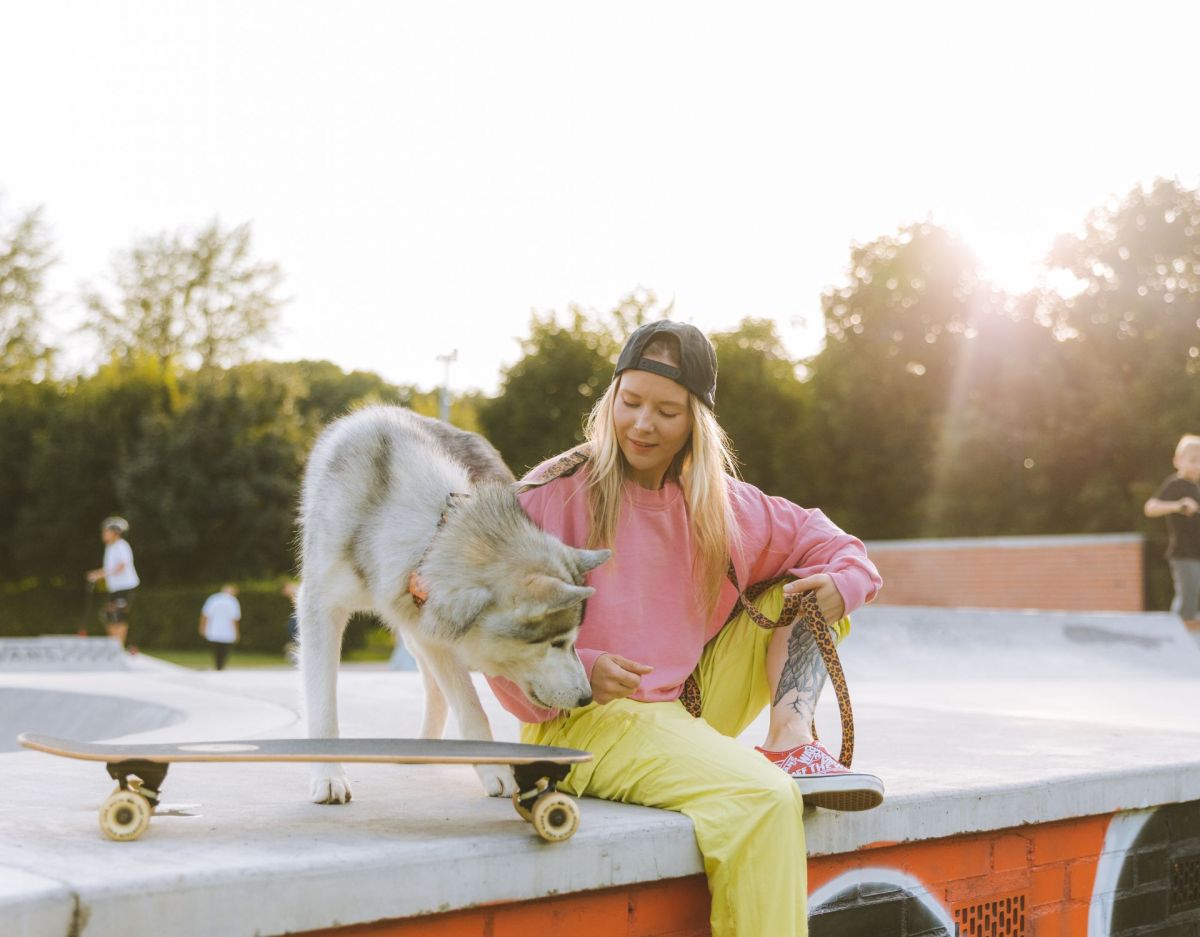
(585,700)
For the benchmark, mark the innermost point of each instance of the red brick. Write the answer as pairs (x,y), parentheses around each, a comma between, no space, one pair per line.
(586,914)
(1048,886)
(674,906)
(1082,876)
(1011,852)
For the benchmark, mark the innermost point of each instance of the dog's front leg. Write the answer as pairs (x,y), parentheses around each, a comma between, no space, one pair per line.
(455,681)
(320,653)
(433,721)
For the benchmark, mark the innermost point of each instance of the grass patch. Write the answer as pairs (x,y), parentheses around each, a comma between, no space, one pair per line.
(203,660)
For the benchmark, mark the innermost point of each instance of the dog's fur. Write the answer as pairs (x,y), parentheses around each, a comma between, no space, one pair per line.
(504,597)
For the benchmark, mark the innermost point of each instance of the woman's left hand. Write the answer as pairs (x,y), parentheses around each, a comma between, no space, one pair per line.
(831,603)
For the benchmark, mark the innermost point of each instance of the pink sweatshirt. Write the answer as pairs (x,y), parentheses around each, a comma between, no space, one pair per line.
(645,607)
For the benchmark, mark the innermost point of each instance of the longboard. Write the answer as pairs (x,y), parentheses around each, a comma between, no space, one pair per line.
(139,770)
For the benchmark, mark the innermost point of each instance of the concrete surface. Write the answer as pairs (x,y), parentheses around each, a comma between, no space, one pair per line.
(975,720)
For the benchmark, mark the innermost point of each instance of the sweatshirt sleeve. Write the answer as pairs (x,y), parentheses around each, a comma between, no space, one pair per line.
(781,537)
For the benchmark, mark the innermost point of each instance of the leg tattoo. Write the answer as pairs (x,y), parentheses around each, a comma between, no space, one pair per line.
(803,672)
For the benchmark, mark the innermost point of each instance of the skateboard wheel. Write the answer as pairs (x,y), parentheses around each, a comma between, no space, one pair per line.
(124,816)
(555,817)
(525,813)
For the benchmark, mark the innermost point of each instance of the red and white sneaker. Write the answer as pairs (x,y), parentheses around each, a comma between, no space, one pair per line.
(824,781)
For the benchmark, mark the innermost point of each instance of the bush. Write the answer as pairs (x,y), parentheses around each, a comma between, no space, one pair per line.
(163,617)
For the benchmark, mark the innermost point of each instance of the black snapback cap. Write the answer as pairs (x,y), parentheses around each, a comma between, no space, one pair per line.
(698,360)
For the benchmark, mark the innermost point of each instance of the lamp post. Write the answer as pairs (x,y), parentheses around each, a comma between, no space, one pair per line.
(444,399)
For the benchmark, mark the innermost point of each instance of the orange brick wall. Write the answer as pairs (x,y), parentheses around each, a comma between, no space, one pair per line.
(1038,880)
(1102,573)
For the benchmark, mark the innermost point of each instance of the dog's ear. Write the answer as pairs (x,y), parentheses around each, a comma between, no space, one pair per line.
(590,559)
(544,595)
(458,608)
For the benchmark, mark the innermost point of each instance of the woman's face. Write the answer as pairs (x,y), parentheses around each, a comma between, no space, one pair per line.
(653,422)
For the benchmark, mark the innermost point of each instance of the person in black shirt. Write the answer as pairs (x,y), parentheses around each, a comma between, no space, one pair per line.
(1178,500)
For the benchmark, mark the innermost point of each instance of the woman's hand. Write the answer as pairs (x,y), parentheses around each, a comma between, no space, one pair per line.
(614,677)
(1188,506)
(830,601)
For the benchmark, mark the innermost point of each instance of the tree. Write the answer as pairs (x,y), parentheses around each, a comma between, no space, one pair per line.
(545,396)
(73,461)
(882,388)
(762,406)
(213,484)
(1132,332)
(198,298)
(25,257)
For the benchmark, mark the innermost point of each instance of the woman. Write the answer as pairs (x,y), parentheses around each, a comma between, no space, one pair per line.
(654,481)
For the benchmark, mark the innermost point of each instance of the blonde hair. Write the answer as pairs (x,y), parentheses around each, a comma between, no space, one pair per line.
(1186,442)
(702,468)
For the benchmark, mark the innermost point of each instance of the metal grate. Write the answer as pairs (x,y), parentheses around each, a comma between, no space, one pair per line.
(1185,883)
(1000,917)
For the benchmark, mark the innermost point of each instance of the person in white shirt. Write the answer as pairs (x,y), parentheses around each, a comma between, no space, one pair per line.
(119,575)
(220,620)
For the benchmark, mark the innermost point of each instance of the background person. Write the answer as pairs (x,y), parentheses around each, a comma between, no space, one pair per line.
(1178,500)
(220,621)
(119,575)
(674,677)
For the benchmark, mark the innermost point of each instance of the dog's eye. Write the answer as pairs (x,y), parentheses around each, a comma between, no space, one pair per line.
(559,644)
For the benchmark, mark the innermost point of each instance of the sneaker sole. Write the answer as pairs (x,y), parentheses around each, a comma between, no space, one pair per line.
(842,792)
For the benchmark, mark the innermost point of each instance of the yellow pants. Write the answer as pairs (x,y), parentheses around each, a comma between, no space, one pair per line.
(746,812)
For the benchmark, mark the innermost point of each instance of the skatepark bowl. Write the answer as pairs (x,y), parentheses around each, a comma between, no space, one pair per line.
(1042,773)
(69,715)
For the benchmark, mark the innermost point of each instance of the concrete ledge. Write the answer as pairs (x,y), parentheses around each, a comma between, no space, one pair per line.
(32,906)
(965,736)
(992,543)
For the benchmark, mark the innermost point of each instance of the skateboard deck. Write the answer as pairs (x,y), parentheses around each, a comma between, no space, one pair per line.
(139,770)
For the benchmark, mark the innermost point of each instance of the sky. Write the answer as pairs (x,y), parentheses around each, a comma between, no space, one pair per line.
(428,175)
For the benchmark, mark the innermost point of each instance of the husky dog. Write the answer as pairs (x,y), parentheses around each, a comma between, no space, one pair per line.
(418,522)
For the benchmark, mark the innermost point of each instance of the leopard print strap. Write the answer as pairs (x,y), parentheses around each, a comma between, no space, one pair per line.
(566,464)
(804,605)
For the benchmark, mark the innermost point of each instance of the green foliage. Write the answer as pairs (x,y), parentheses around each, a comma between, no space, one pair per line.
(192,297)
(939,406)
(206,466)
(163,616)
(25,256)
(86,433)
(546,396)
(763,407)
(1132,336)
(882,384)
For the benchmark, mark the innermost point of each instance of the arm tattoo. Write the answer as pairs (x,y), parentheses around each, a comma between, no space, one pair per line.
(803,671)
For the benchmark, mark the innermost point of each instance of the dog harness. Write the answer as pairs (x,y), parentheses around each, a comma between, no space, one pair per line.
(417,587)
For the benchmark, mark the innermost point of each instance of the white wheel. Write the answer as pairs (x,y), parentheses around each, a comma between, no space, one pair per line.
(125,816)
(555,817)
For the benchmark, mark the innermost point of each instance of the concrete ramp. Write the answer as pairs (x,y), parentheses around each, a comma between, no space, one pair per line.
(62,653)
(82,716)
(896,642)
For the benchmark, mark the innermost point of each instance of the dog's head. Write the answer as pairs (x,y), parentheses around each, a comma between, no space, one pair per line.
(519,618)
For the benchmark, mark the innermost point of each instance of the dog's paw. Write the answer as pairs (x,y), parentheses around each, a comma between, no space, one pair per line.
(329,787)
(497,780)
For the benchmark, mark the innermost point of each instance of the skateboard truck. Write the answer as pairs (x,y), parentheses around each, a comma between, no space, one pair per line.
(554,816)
(148,777)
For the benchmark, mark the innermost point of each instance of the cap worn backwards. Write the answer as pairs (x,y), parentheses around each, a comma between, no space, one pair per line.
(698,361)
